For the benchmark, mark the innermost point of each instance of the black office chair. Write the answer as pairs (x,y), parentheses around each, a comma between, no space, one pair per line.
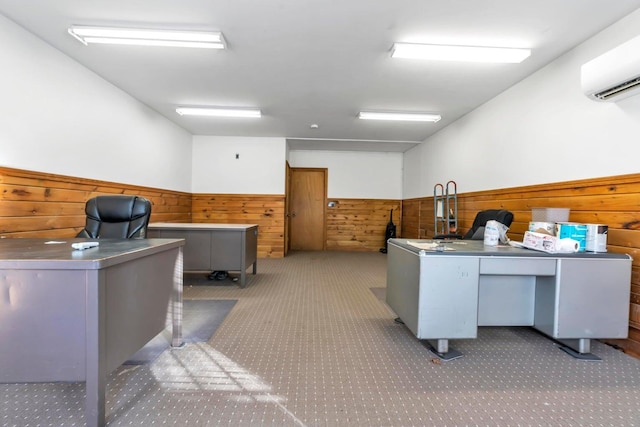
(476,232)
(116,217)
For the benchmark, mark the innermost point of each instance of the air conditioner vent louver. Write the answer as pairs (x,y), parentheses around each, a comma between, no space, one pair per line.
(618,90)
(614,75)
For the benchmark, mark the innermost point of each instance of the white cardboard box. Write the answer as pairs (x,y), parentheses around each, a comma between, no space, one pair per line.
(547,243)
(540,241)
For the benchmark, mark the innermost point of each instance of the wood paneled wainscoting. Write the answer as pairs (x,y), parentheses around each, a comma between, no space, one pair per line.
(614,201)
(360,224)
(265,210)
(35,204)
(352,224)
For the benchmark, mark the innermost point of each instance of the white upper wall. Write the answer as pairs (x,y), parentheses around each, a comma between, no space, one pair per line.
(351,174)
(542,130)
(56,116)
(259,168)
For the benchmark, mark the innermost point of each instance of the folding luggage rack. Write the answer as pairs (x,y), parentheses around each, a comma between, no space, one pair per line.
(445,208)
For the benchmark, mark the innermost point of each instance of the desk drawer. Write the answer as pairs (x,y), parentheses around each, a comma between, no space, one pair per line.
(518,266)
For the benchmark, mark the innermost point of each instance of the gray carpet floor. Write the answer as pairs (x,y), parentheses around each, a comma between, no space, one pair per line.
(200,320)
(310,343)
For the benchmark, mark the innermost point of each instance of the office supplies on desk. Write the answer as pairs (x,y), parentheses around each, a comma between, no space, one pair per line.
(550,244)
(81,246)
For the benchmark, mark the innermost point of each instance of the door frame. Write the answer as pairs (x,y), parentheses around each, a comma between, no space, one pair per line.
(287,197)
(325,173)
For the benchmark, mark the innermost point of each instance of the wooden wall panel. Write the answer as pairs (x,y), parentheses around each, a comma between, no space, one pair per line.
(34,204)
(360,224)
(410,219)
(614,201)
(265,210)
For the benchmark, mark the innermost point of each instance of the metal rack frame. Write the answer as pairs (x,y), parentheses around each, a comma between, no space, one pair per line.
(445,208)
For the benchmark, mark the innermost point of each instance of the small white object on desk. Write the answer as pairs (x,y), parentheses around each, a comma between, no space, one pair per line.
(430,246)
(84,245)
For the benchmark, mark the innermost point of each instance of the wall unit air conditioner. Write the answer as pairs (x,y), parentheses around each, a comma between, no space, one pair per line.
(614,75)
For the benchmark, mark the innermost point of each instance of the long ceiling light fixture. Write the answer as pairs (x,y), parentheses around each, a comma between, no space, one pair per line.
(411,117)
(142,37)
(459,53)
(219,112)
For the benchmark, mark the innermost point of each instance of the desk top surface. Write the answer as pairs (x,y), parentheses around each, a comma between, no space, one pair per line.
(199,226)
(478,248)
(57,254)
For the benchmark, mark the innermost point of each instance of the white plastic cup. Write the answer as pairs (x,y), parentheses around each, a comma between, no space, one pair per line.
(491,233)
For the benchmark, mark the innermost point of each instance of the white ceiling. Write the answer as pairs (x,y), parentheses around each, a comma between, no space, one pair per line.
(306,62)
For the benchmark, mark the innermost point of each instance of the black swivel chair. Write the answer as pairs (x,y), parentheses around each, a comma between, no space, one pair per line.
(476,232)
(116,217)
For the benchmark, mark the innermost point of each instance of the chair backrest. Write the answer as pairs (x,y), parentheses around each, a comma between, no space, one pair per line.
(476,232)
(116,217)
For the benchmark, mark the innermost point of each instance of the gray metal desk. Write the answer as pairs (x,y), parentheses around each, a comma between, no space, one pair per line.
(68,315)
(572,298)
(213,247)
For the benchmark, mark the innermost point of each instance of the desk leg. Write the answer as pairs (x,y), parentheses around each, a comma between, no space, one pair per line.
(95,376)
(176,309)
(243,277)
(243,274)
(579,348)
(255,267)
(441,349)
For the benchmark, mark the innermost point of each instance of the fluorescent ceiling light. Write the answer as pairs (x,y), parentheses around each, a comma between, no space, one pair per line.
(459,53)
(412,117)
(134,36)
(219,112)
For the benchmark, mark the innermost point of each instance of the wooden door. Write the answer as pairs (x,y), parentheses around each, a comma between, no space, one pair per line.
(307,209)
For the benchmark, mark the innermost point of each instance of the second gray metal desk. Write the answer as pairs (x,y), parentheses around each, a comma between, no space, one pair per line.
(213,247)
(446,295)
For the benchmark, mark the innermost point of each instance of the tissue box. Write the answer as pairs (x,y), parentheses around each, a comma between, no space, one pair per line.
(540,241)
(575,231)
